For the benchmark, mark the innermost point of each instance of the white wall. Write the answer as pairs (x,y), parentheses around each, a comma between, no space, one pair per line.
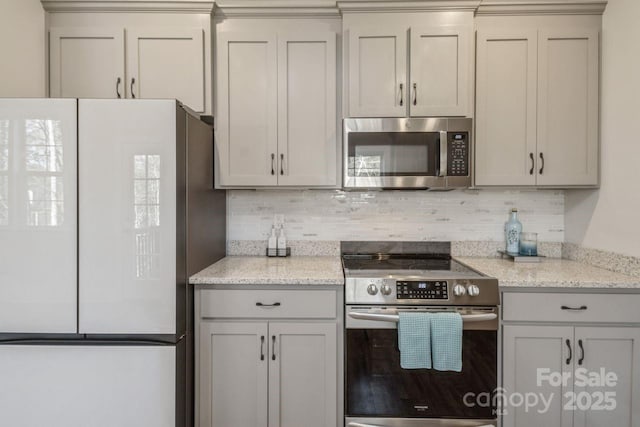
(608,219)
(394,215)
(22,48)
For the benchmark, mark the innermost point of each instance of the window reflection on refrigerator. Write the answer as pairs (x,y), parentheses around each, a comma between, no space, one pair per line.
(146,190)
(36,181)
(44,172)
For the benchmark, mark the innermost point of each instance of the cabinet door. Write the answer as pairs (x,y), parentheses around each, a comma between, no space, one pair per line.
(303,375)
(233,374)
(505,143)
(526,350)
(86,63)
(38,216)
(440,58)
(617,351)
(307,144)
(247,101)
(127,214)
(568,107)
(166,63)
(378,72)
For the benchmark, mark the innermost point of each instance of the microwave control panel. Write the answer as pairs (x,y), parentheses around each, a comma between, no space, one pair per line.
(458,154)
(421,289)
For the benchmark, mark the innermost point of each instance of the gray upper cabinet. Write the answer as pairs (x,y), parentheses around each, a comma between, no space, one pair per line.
(537,107)
(276,109)
(418,71)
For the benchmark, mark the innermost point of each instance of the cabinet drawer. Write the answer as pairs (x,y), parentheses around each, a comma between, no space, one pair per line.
(268,303)
(548,307)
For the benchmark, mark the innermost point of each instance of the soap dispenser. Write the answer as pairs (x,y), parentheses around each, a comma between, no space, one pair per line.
(282,242)
(272,247)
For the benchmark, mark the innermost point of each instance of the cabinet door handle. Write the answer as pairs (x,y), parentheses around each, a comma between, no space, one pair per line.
(542,167)
(570,353)
(275,304)
(273,159)
(118,87)
(262,347)
(415,94)
(533,165)
(401,94)
(581,353)
(273,347)
(133,80)
(581,308)
(281,164)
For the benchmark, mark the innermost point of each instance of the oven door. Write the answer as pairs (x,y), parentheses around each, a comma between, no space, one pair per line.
(395,153)
(378,389)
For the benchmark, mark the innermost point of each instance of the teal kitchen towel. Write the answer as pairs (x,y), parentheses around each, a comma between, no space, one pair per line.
(414,340)
(446,341)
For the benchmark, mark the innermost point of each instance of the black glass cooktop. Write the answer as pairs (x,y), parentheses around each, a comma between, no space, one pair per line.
(396,262)
(419,264)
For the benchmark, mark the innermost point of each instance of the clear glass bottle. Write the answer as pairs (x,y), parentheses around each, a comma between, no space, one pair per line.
(512,230)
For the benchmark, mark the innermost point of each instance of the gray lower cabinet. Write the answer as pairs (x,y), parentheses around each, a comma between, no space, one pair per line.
(526,349)
(600,362)
(261,364)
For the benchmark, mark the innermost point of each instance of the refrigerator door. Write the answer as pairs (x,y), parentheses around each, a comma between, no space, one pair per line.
(80,386)
(38,216)
(127,231)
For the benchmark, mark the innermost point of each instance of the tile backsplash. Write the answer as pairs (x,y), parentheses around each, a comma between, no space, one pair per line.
(461,215)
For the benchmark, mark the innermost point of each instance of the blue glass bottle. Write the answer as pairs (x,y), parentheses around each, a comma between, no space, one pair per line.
(512,230)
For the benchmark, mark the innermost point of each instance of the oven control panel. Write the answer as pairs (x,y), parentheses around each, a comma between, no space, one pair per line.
(422,289)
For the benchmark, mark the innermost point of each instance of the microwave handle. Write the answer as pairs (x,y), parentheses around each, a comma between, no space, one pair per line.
(443,153)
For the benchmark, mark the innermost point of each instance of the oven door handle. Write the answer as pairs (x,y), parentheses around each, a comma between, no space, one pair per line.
(468,318)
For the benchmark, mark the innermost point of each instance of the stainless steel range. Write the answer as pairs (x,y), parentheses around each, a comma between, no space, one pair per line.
(382,281)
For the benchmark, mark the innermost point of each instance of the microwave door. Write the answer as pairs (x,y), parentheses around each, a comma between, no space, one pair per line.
(393,160)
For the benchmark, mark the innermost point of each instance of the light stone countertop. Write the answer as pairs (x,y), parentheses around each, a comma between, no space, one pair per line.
(551,273)
(262,270)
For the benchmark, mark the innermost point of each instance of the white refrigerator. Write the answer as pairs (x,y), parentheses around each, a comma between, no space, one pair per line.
(106,208)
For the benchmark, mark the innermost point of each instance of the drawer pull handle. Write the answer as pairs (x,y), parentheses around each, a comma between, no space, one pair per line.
(581,353)
(275,304)
(262,347)
(581,308)
(273,347)
(570,353)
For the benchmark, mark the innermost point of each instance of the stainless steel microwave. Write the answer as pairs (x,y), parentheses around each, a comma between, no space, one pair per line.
(407,153)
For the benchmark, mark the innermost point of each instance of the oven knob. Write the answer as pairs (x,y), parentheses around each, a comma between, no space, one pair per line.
(372,289)
(473,290)
(459,290)
(385,289)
